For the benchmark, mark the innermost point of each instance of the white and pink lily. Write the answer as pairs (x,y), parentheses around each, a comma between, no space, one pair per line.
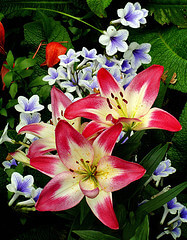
(81,169)
(131,107)
(46,131)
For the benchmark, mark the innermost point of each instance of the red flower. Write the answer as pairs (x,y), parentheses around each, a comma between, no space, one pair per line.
(53,50)
(2,38)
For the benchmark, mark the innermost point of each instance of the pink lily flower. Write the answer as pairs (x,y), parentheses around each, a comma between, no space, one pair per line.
(89,170)
(46,131)
(131,107)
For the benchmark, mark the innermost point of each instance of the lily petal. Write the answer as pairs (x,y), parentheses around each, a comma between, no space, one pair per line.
(104,143)
(20,157)
(92,128)
(108,84)
(89,188)
(114,173)
(59,102)
(74,150)
(92,107)
(50,165)
(41,130)
(102,207)
(41,146)
(158,118)
(61,193)
(143,90)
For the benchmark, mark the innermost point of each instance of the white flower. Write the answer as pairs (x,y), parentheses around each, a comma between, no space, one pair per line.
(4,136)
(114,40)
(29,106)
(52,76)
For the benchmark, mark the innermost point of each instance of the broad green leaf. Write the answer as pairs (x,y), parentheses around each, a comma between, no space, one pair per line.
(94,235)
(8,78)
(142,231)
(178,150)
(13,89)
(3,112)
(159,201)
(169,11)
(26,63)
(98,6)
(11,103)
(10,60)
(168,48)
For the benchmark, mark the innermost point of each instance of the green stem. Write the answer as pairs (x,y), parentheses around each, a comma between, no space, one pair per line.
(67,15)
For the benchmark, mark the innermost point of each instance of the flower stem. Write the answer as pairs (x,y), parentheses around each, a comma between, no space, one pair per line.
(67,15)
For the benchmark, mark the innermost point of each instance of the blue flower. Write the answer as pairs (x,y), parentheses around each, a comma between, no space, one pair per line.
(182,216)
(29,106)
(52,76)
(34,198)
(164,169)
(114,40)
(20,186)
(171,207)
(68,59)
(9,164)
(137,6)
(173,229)
(130,16)
(137,54)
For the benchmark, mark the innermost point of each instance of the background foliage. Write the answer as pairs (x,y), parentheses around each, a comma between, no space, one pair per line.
(25,29)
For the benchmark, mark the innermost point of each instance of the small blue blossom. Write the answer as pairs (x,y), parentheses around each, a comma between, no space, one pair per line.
(114,40)
(173,229)
(68,59)
(52,76)
(164,169)
(34,198)
(137,54)
(20,186)
(182,215)
(105,62)
(88,54)
(29,106)
(137,6)
(171,207)
(130,16)
(9,164)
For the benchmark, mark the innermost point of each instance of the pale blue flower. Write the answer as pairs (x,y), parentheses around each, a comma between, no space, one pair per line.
(88,54)
(9,164)
(20,186)
(137,6)
(114,40)
(182,216)
(171,207)
(68,59)
(173,229)
(29,105)
(137,54)
(52,76)
(129,16)
(35,193)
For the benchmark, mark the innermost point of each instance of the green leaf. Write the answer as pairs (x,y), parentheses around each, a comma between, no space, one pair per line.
(159,201)
(169,11)
(10,59)
(8,78)
(94,235)
(178,150)
(23,64)
(3,112)
(13,89)
(142,231)
(11,103)
(98,6)
(168,48)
